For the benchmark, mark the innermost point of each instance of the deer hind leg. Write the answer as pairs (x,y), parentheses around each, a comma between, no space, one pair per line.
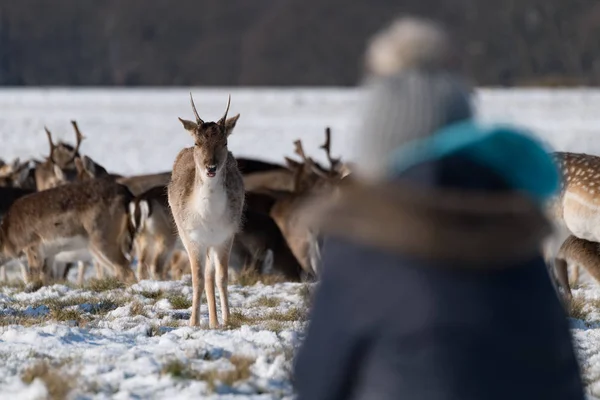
(580,252)
(562,276)
(574,276)
(99,268)
(143,254)
(80,272)
(162,263)
(3,276)
(36,262)
(221,269)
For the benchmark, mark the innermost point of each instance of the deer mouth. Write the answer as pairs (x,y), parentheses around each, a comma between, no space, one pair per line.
(211,171)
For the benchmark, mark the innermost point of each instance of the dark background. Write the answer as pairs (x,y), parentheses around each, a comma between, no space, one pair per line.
(283,42)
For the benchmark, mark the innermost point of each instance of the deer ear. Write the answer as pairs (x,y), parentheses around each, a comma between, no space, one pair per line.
(59,173)
(189,125)
(230,124)
(89,165)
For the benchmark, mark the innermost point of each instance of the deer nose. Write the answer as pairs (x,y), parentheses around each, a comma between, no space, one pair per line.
(211,169)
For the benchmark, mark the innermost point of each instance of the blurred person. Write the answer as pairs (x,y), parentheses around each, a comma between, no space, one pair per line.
(433,284)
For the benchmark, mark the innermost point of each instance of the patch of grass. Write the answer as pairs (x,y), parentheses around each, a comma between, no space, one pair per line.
(137,308)
(265,301)
(177,369)
(102,285)
(179,301)
(575,308)
(240,372)
(250,277)
(237,319)
(292,314)
(65,314)
(305,292)
(273,321)
(57,382)
(14,284)
(274,326)
(150,294)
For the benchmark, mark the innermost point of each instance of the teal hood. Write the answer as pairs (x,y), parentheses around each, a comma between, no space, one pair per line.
(512,153)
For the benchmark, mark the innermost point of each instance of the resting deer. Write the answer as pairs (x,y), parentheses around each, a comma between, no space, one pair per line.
(576,211)
(76,217)
(206,195)
(288,210)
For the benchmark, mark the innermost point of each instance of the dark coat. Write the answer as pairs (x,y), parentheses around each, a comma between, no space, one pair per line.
(393,322)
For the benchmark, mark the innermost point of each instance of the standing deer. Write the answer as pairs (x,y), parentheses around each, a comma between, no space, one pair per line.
(206,195)
(76,217)
(576,213)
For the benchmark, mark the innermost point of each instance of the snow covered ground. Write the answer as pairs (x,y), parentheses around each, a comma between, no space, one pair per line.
(105,342)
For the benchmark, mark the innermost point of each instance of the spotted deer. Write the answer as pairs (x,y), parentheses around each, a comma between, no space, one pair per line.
(90,215)
(206,196)
(576,214)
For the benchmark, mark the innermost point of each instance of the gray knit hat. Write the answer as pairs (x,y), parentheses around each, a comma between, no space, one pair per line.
(410,92)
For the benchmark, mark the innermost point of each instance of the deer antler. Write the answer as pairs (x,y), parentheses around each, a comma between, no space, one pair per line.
(298,149)
(198,119)
(334,162)
(52,145)
(79,137)
(224,119)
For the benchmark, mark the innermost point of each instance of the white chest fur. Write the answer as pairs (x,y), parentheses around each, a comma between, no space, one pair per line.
(209,222)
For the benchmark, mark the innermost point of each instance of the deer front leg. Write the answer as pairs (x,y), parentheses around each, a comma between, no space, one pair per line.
(209,287)
(222,267)
(196,254)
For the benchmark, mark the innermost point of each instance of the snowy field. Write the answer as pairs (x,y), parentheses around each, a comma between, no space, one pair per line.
(103,341)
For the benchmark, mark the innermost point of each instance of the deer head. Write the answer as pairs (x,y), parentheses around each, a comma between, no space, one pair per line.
(210,140)
(62,159)
(310,175)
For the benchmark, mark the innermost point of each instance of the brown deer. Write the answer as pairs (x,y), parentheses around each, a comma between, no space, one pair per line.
(206,196)
(59,166)
(84,215)
(310,179)
(260,237)
(575,212)
(156,236)
(19,174)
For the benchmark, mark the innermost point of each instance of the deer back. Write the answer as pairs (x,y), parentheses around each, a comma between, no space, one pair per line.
(139,184)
